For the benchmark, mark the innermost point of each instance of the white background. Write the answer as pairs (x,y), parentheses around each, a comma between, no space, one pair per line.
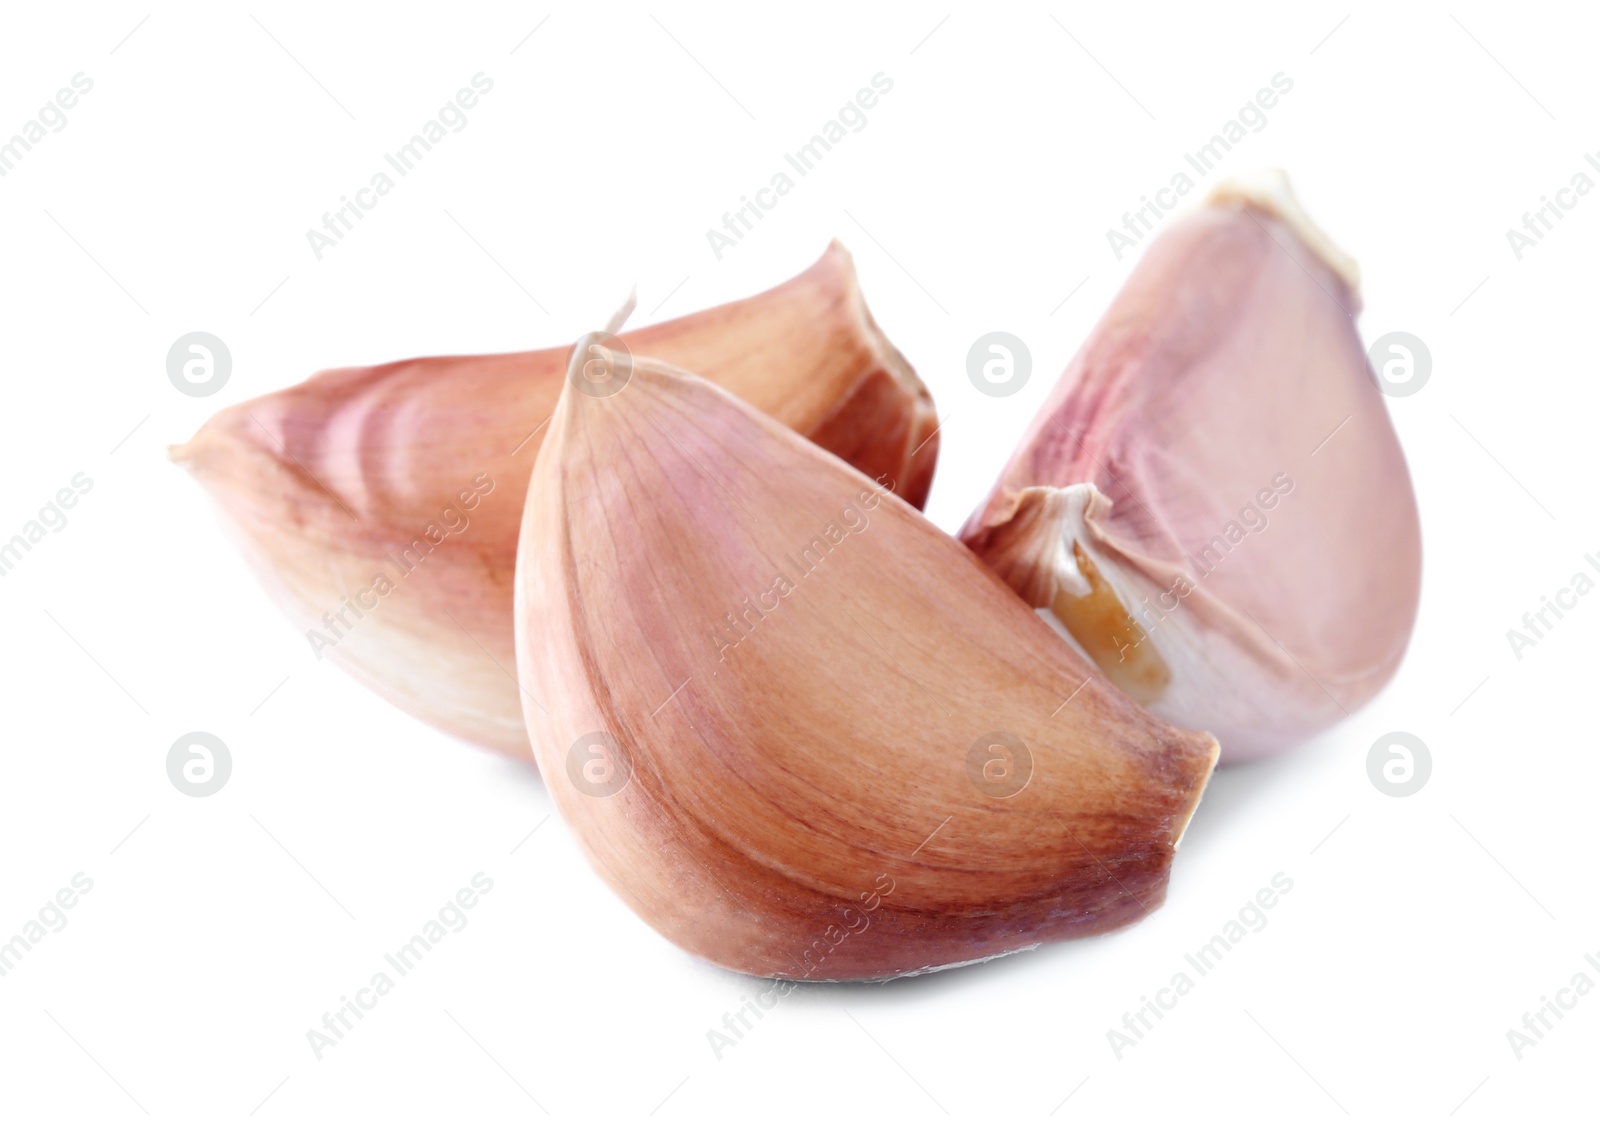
(218,931)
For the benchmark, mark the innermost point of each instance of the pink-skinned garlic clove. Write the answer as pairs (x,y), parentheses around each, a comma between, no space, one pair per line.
(1212,503)
(798,728)
(381,506)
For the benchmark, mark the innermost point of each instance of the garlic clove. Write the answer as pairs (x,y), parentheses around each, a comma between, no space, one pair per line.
(380,505)
(1212,502)
(801,730)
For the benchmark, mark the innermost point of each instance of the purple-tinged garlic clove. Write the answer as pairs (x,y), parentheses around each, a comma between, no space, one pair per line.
(381,505)
(1213,503)
(798,728)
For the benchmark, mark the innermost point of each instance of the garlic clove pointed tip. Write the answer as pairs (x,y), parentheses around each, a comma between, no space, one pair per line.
(1269,191)
(1183,820)
(838,252)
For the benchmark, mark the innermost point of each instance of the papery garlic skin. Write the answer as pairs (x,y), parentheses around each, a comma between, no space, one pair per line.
(1220,456)
(765,695)
(416,472)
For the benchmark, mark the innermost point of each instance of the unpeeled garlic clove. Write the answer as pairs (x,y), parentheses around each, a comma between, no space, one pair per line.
(380,505)
(799,729)
(1213,502)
